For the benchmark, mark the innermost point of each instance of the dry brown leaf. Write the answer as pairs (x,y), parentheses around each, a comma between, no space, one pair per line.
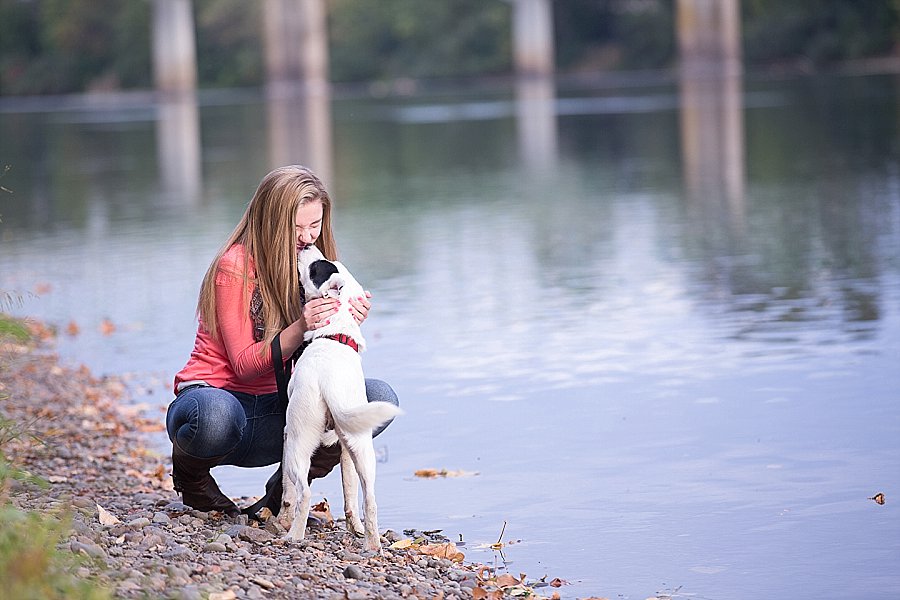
(506,580)
(106,517)
(557,582)
(322,512)
(72,328)
(482,594)
(448,551)
(402,544)
(107,327)
(434,473)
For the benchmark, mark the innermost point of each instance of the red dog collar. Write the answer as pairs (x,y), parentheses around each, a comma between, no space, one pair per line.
(344,339)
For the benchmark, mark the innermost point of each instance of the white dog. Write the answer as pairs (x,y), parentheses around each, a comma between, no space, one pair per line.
(328,388)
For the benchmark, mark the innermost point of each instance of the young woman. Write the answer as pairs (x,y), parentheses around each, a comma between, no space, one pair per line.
(226,410)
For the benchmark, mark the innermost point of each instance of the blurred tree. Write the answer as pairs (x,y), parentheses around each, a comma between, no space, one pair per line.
(58,46)
(818,32)
(229,43)
(594,35)
(410,38)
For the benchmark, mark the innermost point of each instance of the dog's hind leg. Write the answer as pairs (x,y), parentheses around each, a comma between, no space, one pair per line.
(350,482)
(363,453)
(289,488)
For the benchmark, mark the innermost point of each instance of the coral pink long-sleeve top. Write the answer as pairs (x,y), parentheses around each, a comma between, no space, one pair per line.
(235,361)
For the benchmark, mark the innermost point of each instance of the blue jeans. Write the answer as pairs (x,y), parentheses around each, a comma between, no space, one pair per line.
(245,429)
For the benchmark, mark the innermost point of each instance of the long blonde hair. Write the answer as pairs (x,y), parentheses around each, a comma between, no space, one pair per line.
(267,233)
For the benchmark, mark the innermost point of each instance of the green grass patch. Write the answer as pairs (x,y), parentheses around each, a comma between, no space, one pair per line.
(13,328)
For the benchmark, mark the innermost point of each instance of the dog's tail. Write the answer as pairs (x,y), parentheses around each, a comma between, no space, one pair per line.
(366,417)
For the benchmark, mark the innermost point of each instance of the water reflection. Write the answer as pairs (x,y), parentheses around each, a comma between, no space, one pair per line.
(299,127)
(178,147)
(712,144)
(536,122)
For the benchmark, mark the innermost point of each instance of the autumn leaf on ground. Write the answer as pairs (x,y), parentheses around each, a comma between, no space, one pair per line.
(434,473)
(72,328)
(402,544)
(41,331)
(106,517)
(479,593)
(322,512)
(448,551)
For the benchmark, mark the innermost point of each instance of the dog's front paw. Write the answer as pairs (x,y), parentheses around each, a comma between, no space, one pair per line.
(295,534)
(373,543)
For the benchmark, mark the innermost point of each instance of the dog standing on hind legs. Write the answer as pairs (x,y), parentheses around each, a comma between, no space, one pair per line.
(327,389)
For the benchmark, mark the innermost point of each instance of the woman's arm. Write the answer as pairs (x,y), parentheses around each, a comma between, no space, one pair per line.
(248,358)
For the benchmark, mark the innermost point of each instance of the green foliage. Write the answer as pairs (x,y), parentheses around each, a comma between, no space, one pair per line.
(617,34)
(58,46)
(818,31)
(410,38)
(10,327)
(229,44)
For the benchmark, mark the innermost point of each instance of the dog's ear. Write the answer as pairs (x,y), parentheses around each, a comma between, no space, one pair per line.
(320,271)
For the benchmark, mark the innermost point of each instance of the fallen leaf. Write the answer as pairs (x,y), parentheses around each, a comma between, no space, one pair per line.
(106,517)
(57,479)
(72,328)
(322,512)
(434,473)
(506,580)
(878,498)
(447,551)
(482,594)
(107,327)
(402,544)
(557,582)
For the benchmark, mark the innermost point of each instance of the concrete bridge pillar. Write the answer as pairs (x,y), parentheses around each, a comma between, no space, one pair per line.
(295,34)
(174,46)
(709,37)
(532,36)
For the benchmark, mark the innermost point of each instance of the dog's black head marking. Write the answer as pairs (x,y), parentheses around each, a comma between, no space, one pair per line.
(320,271)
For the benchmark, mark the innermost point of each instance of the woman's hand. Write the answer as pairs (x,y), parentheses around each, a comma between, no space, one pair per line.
(359,307)
(317,313)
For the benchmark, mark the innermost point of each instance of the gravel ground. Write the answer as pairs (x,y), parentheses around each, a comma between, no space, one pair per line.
(140,541)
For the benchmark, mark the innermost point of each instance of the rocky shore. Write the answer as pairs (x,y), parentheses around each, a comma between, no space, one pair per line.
(89,442)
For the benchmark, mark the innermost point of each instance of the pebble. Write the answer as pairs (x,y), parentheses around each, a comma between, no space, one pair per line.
(353,572)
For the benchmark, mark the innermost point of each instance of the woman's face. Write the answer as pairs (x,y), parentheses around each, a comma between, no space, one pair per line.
(308,223)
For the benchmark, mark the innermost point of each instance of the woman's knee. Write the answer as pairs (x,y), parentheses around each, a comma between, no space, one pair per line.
(206,422)
(379,391)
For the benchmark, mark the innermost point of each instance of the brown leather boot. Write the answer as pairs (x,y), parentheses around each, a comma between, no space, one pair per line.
(191,477)
(323,460)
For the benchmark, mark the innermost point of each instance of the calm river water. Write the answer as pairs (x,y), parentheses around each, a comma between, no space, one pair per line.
(659,326)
